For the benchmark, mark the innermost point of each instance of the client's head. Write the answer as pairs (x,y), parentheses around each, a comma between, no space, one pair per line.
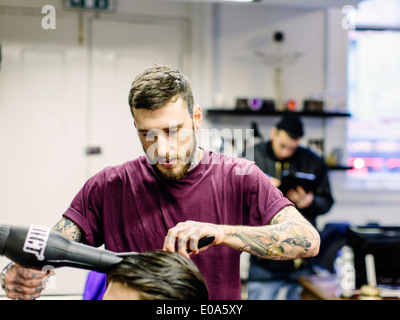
(155,275)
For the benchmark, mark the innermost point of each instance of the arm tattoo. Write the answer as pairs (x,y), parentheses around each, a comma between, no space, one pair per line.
(288,236)
(69,229)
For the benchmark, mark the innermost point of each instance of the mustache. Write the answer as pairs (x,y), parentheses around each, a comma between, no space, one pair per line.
(169,159)
(172,158)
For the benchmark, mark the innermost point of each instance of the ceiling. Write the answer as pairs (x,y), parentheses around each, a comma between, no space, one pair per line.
(306,4)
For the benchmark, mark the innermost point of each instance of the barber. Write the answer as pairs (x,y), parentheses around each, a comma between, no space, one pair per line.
(178,193)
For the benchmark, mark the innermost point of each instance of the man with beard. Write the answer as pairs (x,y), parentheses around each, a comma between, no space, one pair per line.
(177,194)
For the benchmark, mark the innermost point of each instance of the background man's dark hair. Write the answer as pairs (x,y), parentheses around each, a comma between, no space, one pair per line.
(157,85)
(292,125)
(160,275)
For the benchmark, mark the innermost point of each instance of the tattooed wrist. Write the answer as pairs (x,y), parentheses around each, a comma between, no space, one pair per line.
(273,242)
(288,236)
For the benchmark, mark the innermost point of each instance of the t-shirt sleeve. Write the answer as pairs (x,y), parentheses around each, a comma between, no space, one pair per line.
(263,200)
(86,210)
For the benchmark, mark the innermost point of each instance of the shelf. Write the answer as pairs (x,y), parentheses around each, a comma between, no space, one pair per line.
(339,167)
(248,112)
(266,113)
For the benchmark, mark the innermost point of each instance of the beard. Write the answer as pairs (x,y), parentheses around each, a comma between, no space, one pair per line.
(171,176)
(182,166)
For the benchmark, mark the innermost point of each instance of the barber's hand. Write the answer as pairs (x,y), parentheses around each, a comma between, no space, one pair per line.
(189,233)
(300,197)
(24,283)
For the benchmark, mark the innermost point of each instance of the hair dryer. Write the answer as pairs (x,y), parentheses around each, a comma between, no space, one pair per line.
(38,246)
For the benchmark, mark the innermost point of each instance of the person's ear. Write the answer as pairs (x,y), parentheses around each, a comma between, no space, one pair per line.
(273,133)
(197,117)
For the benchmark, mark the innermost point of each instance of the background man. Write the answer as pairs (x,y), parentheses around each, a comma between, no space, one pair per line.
(280,157)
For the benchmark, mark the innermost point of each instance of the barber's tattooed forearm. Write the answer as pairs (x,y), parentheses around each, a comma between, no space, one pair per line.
(257,244)
(69,229)
(281,240)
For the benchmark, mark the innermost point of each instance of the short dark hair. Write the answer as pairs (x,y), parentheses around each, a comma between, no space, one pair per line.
(157,85)
(160,275)
(292,125)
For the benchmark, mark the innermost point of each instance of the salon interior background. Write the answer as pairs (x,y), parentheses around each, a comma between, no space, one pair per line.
(64,90)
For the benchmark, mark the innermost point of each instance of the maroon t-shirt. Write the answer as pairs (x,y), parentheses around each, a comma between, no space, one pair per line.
(129,208)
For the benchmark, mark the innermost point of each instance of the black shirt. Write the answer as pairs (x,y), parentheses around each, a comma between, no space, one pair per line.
(305,161)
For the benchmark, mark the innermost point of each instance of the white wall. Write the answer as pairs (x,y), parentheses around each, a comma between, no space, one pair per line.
(65,89)
(42,122)
(320,72)
(247,30)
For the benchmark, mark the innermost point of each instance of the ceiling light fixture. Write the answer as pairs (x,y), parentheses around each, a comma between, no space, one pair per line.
(242,0)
